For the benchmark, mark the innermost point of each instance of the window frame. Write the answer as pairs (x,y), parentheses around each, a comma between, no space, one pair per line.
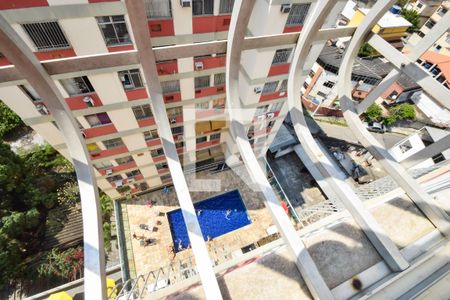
(203,8)
(152,7)
(133,75)
(142,112)
(112,23)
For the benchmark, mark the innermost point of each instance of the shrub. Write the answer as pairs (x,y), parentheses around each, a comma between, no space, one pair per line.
(404,111)
(9,120)
(373,112)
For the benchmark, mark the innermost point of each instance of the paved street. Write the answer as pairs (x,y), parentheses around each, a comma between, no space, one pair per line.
(344,133)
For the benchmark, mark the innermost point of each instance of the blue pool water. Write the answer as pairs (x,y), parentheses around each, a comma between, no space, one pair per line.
(213,218)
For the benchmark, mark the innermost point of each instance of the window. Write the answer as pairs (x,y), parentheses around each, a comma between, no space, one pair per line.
(421,34)
(31,93)
(161,166)
(305,85)
(113,143)
(202,7)
(124,160)
(165,177)
(329,84)
(114,178)
(179,145)
(283,86)
(260,110)
(157,152)
(219,79)
(98,119)
(321,94)
(297,15)
(441,11)
(204,105)
(215,136)
(158,9)
(226,6)
(201,139)
(406,146)
(270,87)
(142,111)
(177,130)
(172,86)
(276,106)
(133,173)
(151,135)
(77,85)
(103,165)
(131,79)
(419,5)
(46,35)
(281,56)
(219,103)
(438,47)
(114,30)
(201,82)
(430,24)
(143,186)
(174,111)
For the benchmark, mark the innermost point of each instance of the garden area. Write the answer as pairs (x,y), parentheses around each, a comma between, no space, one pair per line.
(39,198)
(404,111)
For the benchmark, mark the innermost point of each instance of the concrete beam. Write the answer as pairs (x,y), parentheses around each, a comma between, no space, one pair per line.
(423,200)
(27,64)
(146,55)
(308,269)
(427,152)
(297,76)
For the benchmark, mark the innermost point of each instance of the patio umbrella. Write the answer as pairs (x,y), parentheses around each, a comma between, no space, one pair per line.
(60,296)
(284,205)
(110,286)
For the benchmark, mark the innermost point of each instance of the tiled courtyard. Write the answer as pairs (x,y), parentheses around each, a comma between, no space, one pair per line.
(152,257)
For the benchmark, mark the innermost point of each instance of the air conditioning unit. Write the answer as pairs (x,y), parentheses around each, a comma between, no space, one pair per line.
(173,120)
(42,109)
(88,100)
(198,66)
(109,172)
(270,115)
(185,3)
(257,90)
(285,8)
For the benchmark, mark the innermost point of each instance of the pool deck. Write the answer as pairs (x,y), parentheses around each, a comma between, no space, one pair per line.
(152,257)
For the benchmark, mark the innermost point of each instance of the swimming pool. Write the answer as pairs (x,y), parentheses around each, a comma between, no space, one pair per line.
(217,215)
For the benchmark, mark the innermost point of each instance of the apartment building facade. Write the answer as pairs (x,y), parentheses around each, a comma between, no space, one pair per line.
(111,103)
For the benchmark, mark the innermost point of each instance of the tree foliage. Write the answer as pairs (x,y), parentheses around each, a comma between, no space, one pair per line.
(65,265)
(373,112)
(366,51)
(9,119)
(413,17)
(404,111)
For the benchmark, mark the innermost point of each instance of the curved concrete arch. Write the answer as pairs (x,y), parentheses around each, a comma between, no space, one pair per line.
(239,22)
(398,173)
(18,53)
(146,55)
(297,75)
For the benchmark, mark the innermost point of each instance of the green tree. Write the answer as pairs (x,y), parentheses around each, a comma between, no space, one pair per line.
(373,112)
(9,120)
(366,50)
(63,265)
(389,120)
(404,111)
(413,17)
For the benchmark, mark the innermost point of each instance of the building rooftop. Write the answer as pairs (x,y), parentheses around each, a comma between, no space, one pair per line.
(389,20)
(442,61)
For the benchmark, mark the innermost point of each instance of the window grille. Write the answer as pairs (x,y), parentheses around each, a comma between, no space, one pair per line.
(283,86)
(114,30)
(430,24)
(77,85)
(270,87)
(142,111)
(226,6)
(124,160)
(46,35)
(215,136)
(174,111)
(131,79)
(158,9)
(201,139)
(202,7)
(281,56)
(151,135)
(113,143)
(297,14)
(157,152)
(219,79)
(169,87)
(202,82)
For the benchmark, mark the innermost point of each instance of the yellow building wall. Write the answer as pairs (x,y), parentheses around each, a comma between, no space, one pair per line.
(393,32)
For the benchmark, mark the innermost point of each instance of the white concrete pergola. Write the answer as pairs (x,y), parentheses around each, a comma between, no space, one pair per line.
(309,45)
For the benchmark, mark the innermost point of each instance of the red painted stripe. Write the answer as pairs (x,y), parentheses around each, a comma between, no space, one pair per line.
(279,69)
(120,48)
(136,94)
(14,4)
(99,130)
(76,102)
(213,90)
(55,54)
(161,27)
(292,28)
(272,96)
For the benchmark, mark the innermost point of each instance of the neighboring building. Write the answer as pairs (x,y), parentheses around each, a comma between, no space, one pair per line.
(111,105)
(425,8)
(418,141)
(392,26)
(321,86)
(442,45)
